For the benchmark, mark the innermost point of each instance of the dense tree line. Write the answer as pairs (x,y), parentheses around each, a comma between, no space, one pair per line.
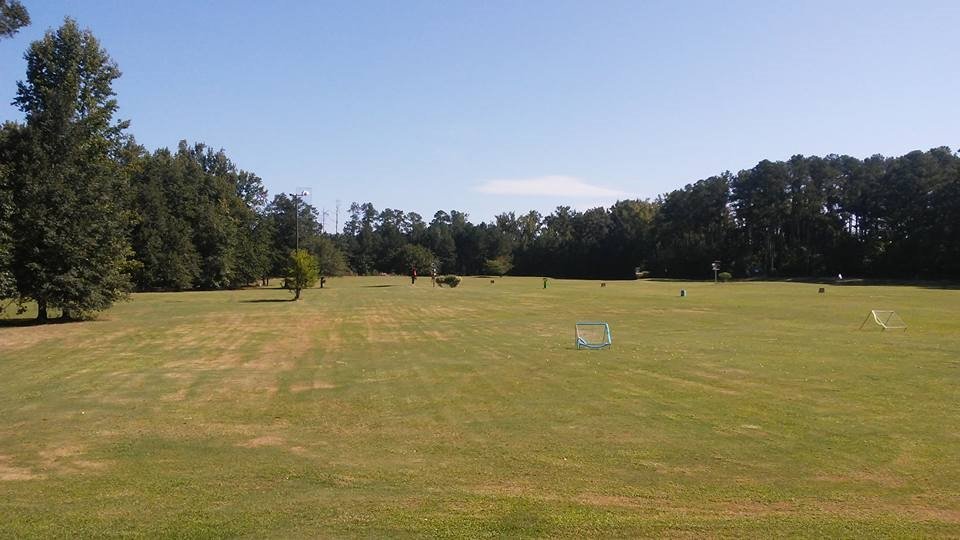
(808,216)
(87,214)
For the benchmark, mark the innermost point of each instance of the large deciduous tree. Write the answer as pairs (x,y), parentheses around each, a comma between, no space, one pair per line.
(68,228)
(8,133)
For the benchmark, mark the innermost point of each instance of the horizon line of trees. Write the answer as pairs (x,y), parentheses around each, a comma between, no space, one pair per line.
(880,217)
(87,214)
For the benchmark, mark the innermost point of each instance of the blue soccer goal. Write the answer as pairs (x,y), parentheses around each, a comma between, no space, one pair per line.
(593,335)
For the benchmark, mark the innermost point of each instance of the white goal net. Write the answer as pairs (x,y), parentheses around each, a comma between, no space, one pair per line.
(593,335)
(885,319)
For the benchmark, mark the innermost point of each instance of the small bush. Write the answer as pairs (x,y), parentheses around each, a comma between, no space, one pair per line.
(724,276)
(450,281)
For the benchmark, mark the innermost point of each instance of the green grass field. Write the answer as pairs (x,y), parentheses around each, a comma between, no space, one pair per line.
(373,408)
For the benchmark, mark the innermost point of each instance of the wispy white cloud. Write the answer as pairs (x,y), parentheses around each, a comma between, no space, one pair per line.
(551,186)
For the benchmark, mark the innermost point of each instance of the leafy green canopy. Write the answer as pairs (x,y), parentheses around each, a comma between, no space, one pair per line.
(302,272)
(70,249)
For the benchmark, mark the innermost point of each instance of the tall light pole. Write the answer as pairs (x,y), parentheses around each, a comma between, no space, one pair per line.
(302,193)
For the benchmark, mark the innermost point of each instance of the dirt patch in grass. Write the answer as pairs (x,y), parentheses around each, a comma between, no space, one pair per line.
(315,385)
(878,478)
(15,339)
(10,472)
(333,340)
(436,335)
(179,395)
(244,382)
(264,440)
(201,361)
(68,459)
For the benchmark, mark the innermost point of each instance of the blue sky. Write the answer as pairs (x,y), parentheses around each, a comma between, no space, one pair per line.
(488,106)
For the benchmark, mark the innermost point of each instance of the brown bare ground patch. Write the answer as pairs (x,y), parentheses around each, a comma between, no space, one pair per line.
(247,382)
(452,311)
(436,335)
(223,330)
(382,327)
(67,459)
(120,400)
(273,361)
(204,362)
(380,335)
(880,478)
(264,440)
(315,385)
(10,472)
(15,339)
(946,515)
(333,341)
(179,395)
(56,453)
(281,355)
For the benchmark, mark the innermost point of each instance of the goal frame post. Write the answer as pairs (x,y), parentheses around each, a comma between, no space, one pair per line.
(583,343)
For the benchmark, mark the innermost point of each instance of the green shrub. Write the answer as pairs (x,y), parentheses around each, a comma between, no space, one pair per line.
(724,276)
(498,266)
(451,280)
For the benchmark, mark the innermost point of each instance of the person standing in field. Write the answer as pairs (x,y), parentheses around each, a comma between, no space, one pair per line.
(413,275)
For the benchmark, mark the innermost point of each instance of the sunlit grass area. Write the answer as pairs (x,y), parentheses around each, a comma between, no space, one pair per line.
(376,408)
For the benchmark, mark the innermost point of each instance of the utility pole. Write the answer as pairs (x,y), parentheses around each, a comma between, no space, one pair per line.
(336,226)
(302,192)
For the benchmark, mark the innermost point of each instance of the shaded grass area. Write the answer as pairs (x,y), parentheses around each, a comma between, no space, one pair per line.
(362,410)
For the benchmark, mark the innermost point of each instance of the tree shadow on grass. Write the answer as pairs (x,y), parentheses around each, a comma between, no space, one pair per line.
(266,300)
(921,284)
(22,323)
(377,286)
(847,282)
